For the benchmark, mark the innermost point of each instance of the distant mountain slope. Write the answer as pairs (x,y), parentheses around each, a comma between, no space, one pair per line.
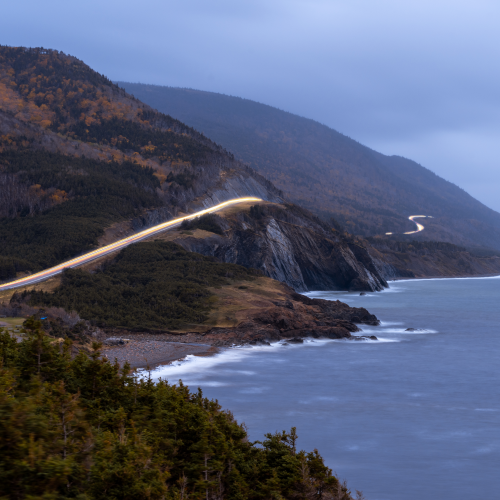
(329,173)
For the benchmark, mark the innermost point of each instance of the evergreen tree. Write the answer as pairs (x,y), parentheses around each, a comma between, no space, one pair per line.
(81,427)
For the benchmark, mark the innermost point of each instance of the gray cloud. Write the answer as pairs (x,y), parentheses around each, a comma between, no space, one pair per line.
(416,78)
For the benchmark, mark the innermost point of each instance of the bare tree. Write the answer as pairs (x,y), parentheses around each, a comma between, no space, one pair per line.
(183,481)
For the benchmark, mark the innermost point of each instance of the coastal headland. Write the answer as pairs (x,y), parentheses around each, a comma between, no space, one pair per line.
(258,313)
(243,312)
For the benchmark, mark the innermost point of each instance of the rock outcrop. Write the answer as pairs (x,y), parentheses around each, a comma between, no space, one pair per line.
(264,311)
(242,183)
(293,319)
(291,245)
(215,183)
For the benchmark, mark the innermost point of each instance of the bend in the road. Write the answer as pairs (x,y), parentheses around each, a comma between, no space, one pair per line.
(420,227)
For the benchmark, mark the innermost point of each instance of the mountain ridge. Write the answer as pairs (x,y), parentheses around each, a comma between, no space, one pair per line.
(328,172)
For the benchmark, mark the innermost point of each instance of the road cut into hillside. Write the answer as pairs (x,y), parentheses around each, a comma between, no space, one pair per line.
(420,227)
(118,245)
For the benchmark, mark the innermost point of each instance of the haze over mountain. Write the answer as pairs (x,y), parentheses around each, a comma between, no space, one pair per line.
(329,173)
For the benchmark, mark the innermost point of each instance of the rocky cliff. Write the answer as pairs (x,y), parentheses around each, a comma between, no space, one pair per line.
(288,244)
(293,319)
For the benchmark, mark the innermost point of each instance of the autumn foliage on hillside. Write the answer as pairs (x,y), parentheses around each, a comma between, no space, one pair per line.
(53,89)
(55,102)
(77,154)
(62,94)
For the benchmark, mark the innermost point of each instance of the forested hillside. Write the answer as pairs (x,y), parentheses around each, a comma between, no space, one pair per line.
(54,207)
(81,427)
(77,154)
(329,173)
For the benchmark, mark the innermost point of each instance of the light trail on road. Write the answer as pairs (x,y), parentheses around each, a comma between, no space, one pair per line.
(419,226)
(118,245)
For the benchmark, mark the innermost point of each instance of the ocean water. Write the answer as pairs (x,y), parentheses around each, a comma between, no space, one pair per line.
(415,415)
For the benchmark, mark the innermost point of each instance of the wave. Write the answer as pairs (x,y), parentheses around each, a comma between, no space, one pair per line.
(344,295)
(393,288)
(191,368)
(253,390)
(378,341)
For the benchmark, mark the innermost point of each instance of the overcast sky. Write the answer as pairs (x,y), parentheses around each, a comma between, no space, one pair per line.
(417,78)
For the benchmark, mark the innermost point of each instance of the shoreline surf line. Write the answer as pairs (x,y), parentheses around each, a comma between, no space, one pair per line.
(193,366)
(118,245)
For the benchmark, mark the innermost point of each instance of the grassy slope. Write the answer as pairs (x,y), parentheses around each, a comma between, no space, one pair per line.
(328,172)
(235,301)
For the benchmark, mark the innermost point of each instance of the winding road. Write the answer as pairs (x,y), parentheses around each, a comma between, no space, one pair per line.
(419,226)
(118,245)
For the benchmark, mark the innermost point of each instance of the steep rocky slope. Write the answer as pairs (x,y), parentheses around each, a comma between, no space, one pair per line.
(330,173)
(288,244)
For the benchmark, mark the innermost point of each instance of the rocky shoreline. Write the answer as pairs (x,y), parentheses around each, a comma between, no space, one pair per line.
(292,320)
(148,352)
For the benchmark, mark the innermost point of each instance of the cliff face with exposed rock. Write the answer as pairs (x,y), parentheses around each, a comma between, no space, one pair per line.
(290,245)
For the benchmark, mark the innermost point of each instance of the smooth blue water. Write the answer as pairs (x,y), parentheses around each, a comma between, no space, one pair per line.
(414,416)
